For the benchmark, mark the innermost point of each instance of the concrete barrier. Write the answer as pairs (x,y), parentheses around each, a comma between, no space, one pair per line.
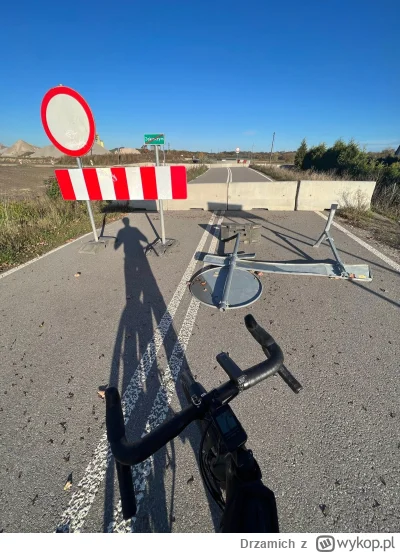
(275,195)
(272,195)
(318,195)
(200,196)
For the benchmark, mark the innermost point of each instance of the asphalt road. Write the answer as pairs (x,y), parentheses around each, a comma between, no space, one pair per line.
(331,454)
(229,174)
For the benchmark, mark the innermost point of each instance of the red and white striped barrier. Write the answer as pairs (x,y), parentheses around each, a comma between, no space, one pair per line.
(123,183)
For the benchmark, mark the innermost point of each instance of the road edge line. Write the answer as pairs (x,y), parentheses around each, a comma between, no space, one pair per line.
(371,249)
(262,174)
(27,263)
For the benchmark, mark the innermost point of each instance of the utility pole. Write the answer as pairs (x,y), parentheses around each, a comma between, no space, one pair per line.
(272,147)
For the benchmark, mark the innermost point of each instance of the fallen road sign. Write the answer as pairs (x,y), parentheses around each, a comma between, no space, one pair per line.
(123,183)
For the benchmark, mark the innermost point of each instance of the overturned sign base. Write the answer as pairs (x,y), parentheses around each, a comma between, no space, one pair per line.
(159,248)
(234,285)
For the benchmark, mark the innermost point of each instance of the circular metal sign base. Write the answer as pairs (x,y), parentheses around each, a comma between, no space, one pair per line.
(208,287)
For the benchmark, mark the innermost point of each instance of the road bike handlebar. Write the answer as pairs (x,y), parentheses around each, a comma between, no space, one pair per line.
(127,454)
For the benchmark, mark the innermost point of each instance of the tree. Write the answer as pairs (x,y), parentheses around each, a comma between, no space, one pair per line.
(313,158)
(330,159)
(300,154)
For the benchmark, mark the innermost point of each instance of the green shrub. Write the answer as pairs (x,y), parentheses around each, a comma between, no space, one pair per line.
(300,154)
(313,157)
(52,188)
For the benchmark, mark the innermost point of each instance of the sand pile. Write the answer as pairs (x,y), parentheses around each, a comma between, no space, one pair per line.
(51,151)
(20,148)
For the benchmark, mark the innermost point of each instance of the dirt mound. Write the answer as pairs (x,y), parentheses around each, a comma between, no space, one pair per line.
(47,151)
(129,151)
(19,148)
(97,150)
(51,151)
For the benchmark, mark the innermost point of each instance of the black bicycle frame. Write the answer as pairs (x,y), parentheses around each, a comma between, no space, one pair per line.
(250,505)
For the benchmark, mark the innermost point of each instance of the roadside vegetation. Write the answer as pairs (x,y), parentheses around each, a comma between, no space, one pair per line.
(31,227)
(283,174)
(195,171)
(347,161)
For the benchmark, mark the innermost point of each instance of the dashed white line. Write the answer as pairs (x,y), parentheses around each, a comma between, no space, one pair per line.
(384,258)
(160,408)
(73,518)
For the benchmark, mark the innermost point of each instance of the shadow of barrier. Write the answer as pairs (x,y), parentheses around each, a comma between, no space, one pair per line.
(272,195)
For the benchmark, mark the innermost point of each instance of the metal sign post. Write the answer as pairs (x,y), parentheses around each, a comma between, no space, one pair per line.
(161,245)
(89,208)
(160,202)
(69,124)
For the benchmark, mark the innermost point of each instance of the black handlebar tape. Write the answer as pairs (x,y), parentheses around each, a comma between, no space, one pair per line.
(136,452)
(126,490)
(267,343)
(290,379)
(259,334)
(115,433)
(114,416)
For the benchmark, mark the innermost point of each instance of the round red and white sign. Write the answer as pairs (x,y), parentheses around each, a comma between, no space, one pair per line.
(68,121)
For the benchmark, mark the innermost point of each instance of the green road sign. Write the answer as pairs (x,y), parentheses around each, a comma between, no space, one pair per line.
(154,139)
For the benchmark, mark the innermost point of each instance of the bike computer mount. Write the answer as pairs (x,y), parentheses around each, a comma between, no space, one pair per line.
(230,431)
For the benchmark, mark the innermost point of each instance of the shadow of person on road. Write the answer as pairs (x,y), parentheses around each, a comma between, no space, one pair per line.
(145,341)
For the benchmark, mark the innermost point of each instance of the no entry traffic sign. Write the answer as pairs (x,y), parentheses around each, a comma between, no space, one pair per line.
(68,121)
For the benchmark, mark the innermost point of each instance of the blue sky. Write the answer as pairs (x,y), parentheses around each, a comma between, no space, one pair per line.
(210,75)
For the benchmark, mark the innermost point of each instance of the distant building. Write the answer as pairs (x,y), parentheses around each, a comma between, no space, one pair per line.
(99,141)
(397,152)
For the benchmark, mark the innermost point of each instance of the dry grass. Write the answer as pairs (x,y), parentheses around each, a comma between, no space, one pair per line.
(354,210)
(195,171)
(354,206)
(386,200)
(30,227)
(280,174)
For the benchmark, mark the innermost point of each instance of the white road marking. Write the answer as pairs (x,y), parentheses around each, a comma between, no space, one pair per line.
(73,518)
(160,408)
(11,271)
(384,258)
(262,174)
